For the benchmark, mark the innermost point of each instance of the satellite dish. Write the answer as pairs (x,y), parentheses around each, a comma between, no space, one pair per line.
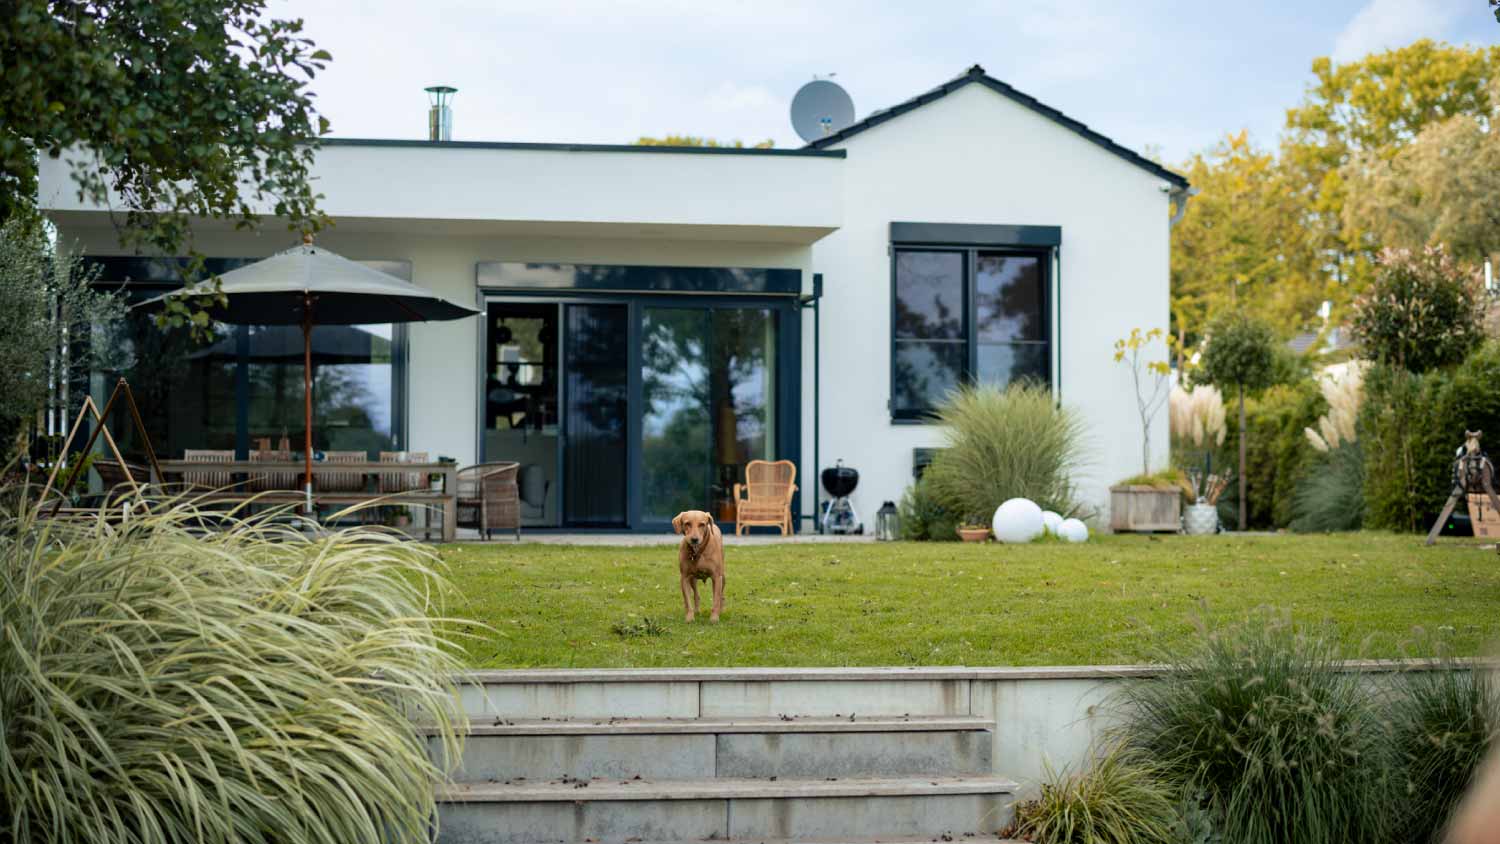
(820,109)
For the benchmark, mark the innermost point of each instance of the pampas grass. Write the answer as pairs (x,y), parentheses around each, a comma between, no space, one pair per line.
(1002,444)
(159,683)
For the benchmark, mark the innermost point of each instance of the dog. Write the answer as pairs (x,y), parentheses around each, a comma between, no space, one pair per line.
(700,556)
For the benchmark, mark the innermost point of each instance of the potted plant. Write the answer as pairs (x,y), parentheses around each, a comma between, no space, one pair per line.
(1146,502)
(973,529)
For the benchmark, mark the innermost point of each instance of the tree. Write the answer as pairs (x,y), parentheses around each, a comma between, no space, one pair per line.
(1239,353)
(1240,244)
(1375,105)
(182,110)
(1149,397)
(696,141)
(50,306)
(1439,189)
(1422,313)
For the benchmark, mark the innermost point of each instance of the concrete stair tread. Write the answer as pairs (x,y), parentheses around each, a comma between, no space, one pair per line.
(484,726)
(722,788)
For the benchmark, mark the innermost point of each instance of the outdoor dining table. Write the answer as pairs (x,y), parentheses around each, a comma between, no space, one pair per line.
(446,498)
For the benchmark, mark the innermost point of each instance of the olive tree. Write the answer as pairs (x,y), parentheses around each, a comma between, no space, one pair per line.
(1240,353)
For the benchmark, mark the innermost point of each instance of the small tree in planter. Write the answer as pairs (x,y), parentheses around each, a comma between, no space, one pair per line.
(1145,502)
(1240,353)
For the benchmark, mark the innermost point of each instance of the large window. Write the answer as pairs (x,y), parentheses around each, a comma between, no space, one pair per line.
(241,388)
(965,315)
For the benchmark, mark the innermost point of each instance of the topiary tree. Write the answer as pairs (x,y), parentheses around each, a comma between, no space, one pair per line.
(1423,311)
(1240,353)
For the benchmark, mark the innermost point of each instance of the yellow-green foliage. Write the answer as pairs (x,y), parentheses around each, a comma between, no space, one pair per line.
(159,683)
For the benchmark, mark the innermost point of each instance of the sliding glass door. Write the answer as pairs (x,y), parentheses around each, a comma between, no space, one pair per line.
(595,406)
(625,413)
(708,406)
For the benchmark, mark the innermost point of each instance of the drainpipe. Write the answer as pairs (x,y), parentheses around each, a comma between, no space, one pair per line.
(1179,198)
(813,302)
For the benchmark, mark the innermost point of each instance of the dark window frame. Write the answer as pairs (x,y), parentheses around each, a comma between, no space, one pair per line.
(1039,242)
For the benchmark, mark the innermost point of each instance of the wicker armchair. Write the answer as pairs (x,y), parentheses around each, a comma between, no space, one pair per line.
(488,498)
(765,498)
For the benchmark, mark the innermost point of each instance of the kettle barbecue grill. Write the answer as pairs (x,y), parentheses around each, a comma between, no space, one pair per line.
(839,515)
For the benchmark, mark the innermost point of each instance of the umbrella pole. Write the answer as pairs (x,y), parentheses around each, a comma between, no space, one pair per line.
(307,327)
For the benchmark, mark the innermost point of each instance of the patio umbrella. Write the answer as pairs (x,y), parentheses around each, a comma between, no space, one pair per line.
(332,344)
(309,286)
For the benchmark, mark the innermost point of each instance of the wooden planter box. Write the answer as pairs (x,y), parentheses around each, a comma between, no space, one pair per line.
(1144,509)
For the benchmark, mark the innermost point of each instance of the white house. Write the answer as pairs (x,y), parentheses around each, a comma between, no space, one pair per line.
(654,317)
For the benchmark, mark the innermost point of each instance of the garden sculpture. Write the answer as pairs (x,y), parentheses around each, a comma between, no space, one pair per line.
(1472,473)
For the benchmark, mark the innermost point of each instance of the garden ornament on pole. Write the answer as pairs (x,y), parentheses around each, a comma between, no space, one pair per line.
(1472,473)
(308,286)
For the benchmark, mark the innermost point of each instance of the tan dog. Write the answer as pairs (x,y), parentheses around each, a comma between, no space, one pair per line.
(700,556)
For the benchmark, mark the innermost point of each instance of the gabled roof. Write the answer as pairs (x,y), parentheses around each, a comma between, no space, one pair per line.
(976,74)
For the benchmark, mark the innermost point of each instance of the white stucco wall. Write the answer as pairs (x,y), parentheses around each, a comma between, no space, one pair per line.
(975,157)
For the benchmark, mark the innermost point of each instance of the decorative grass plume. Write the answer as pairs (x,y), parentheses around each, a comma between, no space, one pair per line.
(160,684)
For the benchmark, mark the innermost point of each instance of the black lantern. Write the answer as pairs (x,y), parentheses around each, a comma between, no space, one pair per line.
(887,522)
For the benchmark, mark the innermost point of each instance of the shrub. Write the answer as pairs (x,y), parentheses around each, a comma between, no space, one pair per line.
(922,518)
(245,685)
(1422,312)
(1443,723)
(1118,800)
(1258,719)
(1005,444)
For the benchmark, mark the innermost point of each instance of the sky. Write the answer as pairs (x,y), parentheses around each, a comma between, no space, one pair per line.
(1169,76)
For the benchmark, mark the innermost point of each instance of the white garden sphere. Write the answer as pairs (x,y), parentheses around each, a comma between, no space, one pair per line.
(1050,521)
(1018,520)
(1073,530)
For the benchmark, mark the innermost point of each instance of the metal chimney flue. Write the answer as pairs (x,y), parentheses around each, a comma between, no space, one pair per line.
(440,112)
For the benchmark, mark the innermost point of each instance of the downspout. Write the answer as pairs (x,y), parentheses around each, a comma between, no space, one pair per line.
(1179,197)
(813,302)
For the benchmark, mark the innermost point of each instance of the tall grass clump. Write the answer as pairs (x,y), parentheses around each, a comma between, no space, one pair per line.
(1002,444)
(163,684)
(1258,718)
(1444,718)
(1330,495)
(1116,800)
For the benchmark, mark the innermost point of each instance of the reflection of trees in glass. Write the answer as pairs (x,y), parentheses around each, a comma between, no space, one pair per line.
(925,372)
(1009,292)
(929,295)
(705,378)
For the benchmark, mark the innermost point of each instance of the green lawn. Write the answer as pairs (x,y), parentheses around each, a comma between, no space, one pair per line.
(1115,599)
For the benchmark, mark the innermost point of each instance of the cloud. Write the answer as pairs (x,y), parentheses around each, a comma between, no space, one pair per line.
(1382,24)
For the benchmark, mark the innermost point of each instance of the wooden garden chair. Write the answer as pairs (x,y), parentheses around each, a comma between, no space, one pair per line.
(279,481)
(208,478)
(765,498)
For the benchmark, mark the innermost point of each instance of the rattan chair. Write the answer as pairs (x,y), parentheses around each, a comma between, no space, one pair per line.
(489,499)
(273,481)
(765,498)
(208,478)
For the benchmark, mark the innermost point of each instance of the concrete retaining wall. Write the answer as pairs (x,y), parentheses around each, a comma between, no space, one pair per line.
(1041,716)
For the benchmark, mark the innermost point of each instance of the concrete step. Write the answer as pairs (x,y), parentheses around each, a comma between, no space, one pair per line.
(688,749)
(611,810)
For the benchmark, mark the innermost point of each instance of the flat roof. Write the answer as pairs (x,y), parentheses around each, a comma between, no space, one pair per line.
(800,152)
